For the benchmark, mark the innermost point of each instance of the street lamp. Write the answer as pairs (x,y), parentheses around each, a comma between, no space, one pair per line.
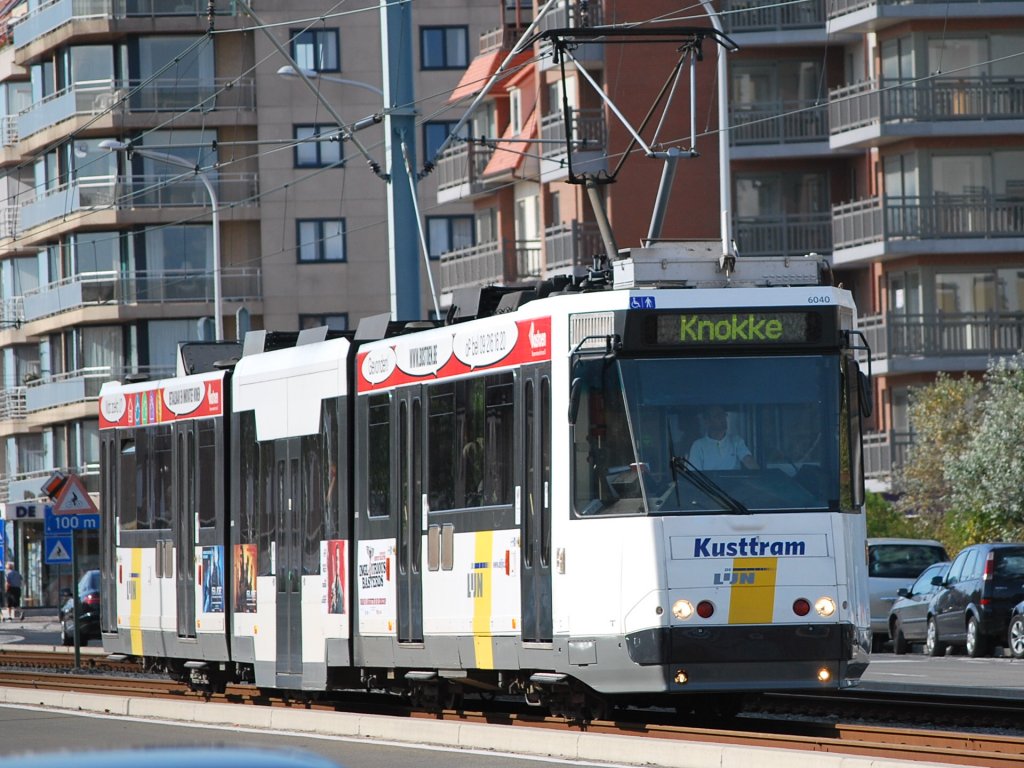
(289,71)
(115,146)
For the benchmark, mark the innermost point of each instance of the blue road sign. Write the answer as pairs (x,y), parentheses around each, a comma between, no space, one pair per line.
(57,549)
(68,524)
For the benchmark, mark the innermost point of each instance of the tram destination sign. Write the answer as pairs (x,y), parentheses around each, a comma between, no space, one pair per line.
(746,327)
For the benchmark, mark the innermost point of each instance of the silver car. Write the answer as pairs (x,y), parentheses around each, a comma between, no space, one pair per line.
(892,564)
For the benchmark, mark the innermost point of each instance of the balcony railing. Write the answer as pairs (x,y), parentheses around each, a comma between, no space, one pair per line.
(463,165)
(54,14)
(939,99)
(25,484)
(125,288)
(528,258)
(837,8)
(884,452)
(754,16)
(95,97)
(79,386)
(784,234)
(12,403)
(481,264)
(8,130)
(927,218)
(568,16)
(571,245)
(778,122)
(588,132)
(12,311)
(943,334)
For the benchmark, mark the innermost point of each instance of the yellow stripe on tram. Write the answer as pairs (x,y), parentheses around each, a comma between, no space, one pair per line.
(134,590)
(752,597)
(479,588)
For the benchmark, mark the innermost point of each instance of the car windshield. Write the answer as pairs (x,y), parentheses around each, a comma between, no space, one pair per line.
(902,561)
(723,435)
(90,582)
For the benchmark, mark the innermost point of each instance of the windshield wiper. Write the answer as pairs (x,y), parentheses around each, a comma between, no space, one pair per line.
(704,483)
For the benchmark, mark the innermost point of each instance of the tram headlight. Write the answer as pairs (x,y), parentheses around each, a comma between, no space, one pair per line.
(682,609)
(824,675)
(825,606)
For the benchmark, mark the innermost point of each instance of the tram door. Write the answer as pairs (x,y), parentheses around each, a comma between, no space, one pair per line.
(535,483)
(288,557)
(409,537)
(185,511)
(110,479)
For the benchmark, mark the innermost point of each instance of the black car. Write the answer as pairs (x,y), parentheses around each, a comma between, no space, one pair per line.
(908,618)
(88,611)
(1015,634)
(972,608)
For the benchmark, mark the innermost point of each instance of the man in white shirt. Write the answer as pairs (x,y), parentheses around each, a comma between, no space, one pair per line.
(718,449)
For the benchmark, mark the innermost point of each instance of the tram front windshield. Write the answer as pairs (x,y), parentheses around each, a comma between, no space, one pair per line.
(723,435)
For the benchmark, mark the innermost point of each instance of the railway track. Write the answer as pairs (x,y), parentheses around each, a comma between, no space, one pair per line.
(755,730)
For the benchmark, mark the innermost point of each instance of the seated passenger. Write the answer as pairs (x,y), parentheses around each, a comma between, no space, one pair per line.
(718,449)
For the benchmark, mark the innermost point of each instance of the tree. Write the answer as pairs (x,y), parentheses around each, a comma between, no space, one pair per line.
(987,477)
(885,521)
(942,415)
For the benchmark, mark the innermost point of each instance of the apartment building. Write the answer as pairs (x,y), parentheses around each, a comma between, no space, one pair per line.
(887,135)
(108,258)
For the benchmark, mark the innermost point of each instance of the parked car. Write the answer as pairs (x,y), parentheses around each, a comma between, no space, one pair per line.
(972,608)
(1015,634)
(88,611)
(895,563)
(908,618)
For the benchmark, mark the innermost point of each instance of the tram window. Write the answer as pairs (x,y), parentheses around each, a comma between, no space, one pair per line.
(469,442)
(161,481)
(266,517)
(331,483)
(129,479)
(378,449)
(313,474)
(207,468)
(248,500)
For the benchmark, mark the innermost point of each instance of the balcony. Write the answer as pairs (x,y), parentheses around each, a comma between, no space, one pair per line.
(79,386)
(864,114)
(569,16)
(863,16)
(787,234)
(8,131)
(460,170)
(571,245)
(752,22)
(134,192)
(589,136)
(905,343)
(238,284)
(932,224)
(24,485)
(765,129)
(478,265)
(54,14)
(12,403)
(12,311)
(529,263)
(98,97)
(884,452)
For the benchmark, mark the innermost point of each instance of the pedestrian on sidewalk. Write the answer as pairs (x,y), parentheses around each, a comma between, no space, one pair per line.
(13,591)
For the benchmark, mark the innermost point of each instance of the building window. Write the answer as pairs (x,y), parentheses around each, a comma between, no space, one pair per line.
(515,108)
(444,47)
(337,322)
(316,49)
(448,233)
(434,134)
(321,240)
(314,151)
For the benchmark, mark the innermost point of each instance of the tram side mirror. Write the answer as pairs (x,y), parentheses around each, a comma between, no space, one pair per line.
(867,402)
(575,390)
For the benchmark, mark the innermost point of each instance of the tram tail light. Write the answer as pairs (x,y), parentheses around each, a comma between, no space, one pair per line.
(801,607)
(680,677)
(824,675)
(705,609)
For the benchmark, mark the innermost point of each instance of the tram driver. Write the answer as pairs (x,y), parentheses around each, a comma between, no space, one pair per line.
(719,448)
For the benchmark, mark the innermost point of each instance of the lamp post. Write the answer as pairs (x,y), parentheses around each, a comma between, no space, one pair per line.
(403,243)
(115,146)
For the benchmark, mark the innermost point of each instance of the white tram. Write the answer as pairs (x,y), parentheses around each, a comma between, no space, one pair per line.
(619,493)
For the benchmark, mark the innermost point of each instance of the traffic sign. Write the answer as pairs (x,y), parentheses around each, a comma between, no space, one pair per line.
(60,524)
(58,549)
(73,498)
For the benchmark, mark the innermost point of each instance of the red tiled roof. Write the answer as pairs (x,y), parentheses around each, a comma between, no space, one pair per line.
(480,70)
(510,154)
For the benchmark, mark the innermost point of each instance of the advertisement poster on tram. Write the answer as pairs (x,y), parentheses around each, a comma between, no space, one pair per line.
(375,585)
(213,579)
(332,565)
(244,569)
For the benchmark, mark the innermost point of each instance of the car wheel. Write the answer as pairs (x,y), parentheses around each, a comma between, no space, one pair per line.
(932,645)
(977,643)
(899,641)
(1015,637)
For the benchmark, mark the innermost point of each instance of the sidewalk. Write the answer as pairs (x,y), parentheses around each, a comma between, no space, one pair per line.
(37,618)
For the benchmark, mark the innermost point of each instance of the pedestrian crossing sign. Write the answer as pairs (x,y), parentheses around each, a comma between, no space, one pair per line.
(58,550)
